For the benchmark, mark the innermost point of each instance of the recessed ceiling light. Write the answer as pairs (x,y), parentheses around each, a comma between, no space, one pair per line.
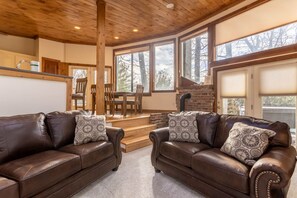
(135,30)
(170,6)
(116,37)
(77,27)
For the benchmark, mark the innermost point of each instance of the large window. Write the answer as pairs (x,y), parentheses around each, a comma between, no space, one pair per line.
(132,69)
(164,67)
(195,57)
(278,37)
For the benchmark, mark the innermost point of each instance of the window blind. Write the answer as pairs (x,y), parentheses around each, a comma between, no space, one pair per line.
(278,80)
(233,84)
(264,17)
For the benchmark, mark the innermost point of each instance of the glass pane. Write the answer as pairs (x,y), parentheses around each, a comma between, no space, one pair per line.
(124,77)
(233,106)
(195,58)
(281,108)
(278,37)
(141,70)
(164,67)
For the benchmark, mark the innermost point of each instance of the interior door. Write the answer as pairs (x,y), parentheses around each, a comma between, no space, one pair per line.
(50,65)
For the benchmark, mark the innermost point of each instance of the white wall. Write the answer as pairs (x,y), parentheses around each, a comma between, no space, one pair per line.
(50,49)
(29,96)
(17,44)
(86,54)
(160,101)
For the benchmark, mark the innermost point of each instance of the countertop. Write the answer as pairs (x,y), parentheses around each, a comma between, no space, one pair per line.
(33,72)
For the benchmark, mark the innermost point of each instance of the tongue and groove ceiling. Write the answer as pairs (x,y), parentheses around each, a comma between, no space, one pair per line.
(55,19)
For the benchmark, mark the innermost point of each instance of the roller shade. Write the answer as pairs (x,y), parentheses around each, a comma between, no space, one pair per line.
(233,84)
(264,17)
(278,80)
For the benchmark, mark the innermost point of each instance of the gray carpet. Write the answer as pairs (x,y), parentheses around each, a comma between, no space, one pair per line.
(136,178)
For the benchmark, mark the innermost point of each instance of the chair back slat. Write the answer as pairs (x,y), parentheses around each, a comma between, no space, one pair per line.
(81,85)
(108,93)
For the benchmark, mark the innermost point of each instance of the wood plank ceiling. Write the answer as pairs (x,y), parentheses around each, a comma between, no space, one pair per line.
(55,19)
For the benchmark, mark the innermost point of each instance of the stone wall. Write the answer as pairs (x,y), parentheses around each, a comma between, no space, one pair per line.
(159,119)
(202,99)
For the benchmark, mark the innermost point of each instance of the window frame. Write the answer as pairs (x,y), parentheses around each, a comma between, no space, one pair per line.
(132,48)
(170,41)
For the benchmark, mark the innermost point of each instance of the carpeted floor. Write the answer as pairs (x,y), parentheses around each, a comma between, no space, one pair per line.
(136,178)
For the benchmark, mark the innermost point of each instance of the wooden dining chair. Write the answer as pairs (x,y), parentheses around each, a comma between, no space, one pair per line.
(137,102)
(80,91)
(110,102)
(93,92)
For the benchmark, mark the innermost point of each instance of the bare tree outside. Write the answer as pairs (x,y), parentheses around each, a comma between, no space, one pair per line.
(132,69)
(195,58)
(278,37)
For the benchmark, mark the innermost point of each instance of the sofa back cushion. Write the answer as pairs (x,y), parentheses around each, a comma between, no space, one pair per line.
(23,135)
(226,122)
(207,125)
(61,126)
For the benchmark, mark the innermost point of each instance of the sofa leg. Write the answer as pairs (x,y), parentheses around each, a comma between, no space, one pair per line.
(157,170)
(115,169)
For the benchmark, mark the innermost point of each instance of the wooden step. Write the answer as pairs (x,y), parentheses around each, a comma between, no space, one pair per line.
(130,122)
(139,130)
(131,144)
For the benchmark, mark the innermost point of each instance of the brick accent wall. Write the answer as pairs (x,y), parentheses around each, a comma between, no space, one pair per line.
(202,99)
(159,119)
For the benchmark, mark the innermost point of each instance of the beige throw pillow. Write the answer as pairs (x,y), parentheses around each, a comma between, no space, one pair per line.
(89,128)
(247,143)
(183,127)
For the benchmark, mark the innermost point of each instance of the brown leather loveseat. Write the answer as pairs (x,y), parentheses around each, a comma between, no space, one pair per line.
(38,158)
(206,169)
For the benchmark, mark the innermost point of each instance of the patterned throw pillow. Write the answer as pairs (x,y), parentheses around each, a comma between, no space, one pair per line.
(89,128)
(247,143)
(183,127)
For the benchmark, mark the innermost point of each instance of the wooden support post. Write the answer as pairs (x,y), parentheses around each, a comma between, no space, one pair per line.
(100,61)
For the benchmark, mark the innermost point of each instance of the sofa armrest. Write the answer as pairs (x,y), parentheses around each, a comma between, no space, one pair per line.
(115,135)
(157,136)
(273,171)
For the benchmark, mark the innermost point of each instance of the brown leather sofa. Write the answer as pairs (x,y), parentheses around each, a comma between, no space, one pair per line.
(38,159)
(206,169)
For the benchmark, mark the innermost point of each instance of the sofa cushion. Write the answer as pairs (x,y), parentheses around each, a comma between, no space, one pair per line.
(8,188)
(207,125)
(61,126)
(181,152)
(247,143)
(221,168)
(89,128)
(183,127)
(90,153)
(226,122)
(40,171)
(23,135)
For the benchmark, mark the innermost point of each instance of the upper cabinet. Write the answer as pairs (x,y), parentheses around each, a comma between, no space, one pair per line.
(11,59)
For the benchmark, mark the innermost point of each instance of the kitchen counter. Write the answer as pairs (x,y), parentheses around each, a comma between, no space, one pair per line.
(24,91)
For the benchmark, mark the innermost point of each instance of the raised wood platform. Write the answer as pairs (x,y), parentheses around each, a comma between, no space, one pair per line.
(136,128)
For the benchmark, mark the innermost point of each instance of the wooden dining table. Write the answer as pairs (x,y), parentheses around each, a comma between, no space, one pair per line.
(116,95)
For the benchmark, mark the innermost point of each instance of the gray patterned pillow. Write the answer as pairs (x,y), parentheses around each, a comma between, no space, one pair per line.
(183,127)
(247,143)
(89,128)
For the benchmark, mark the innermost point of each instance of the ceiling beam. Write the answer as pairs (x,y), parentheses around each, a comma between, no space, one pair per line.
(100,57)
